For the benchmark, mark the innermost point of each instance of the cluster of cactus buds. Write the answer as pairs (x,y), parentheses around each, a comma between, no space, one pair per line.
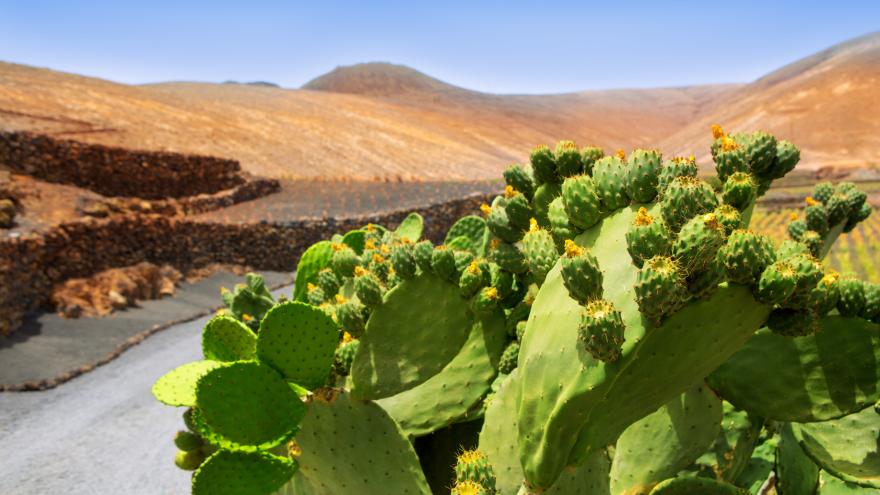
(609,324)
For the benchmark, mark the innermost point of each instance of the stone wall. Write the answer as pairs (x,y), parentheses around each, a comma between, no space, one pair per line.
(31,265)
(113,171)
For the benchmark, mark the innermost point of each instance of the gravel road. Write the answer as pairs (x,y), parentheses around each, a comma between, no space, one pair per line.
(101,433)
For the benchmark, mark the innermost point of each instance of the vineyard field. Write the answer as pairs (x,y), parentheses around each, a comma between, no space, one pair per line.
(856,252)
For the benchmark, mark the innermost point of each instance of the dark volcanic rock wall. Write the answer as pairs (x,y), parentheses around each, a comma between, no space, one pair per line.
(116,171)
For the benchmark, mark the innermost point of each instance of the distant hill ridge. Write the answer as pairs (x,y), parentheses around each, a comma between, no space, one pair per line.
(385,121)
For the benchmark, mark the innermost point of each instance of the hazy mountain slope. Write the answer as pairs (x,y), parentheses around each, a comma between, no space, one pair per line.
(828,104)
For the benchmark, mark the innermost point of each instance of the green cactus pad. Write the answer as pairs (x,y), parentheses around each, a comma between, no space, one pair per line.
(795,473)
(813,378)
(248,403)
(411,227)
(730,452)
(846,447)
(599,402)
(298,340)
(414,334)
(242,473)
(313,260)
(355,239)
(449,395)
(227,339)
(696,486)
(498,442)
(472,228)
(832,485)
(666,441)
(353,447)
(178,386)
(759,467)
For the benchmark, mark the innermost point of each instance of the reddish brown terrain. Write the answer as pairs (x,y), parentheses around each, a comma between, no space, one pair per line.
(828,104)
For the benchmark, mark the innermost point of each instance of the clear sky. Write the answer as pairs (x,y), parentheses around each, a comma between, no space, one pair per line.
(496,46)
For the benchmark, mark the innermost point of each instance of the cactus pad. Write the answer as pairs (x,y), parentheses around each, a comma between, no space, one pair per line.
(298,340)
(350,446)
(473,228)
(846,447)
(242,473)
(247,403)
(770,375)
(795,472)
(227,339)
(410,228)
(313,260)
(409,338)
(449,395)
(178,386)
(666,441)
(696,486)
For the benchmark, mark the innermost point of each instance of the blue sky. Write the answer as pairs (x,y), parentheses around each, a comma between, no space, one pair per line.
(496,46)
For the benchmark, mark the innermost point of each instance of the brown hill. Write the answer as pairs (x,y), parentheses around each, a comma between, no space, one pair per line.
(828,104)
(428,130)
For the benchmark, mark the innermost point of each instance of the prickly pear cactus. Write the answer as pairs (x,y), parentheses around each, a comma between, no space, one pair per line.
(611,324)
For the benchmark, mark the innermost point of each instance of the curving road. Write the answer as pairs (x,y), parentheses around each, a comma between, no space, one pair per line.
(101,433)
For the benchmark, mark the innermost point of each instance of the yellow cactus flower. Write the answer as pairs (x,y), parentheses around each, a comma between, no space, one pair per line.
(572,249)
(810,201)
(337,246)
(359,271)
(346,337)
(491,293)
(384,249)
(310,287)
(293,449)
(728,144)
(246,317)
(509,192)
(792,216)
(473,268)
(377,258)
(340,299)
(717,131)
(370,244)
(643,217)
(486,209)
(533,225)
(493,244)
(620,154)
(223,290)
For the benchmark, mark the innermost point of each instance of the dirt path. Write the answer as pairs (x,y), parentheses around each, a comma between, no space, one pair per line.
(102,432)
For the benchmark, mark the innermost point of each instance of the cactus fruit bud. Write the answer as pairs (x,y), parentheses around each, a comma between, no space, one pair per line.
(746,255)
(685,198)
(580,273)
(609,175)
(647,237)
(740,190)
(328,282)
(189,461)
(817,216)
(508,257)
(560,226)
(796,229)
(470,488)
(485,301)
(471,280)
(729,158)
(858,216)
(518,209)
(344,260)
(837,208)
(187,441)
(822,191)
(760,149)
(589,155)
(314,294)
(509,357)
(698,242)
(852,296)
(443,263)
(344,356)
(642,175)
(729,218)
(871,311)
(544,165)
(517,177)
(351,317)
(539,250)
(422,253)
(500,226)
(660,288)
(787,157)
(569,161)
(473,466)
(813,241)
(601,330)
(403,261)
(676,167)
(777,283)
(581,201)
(368,289)
(825,295)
